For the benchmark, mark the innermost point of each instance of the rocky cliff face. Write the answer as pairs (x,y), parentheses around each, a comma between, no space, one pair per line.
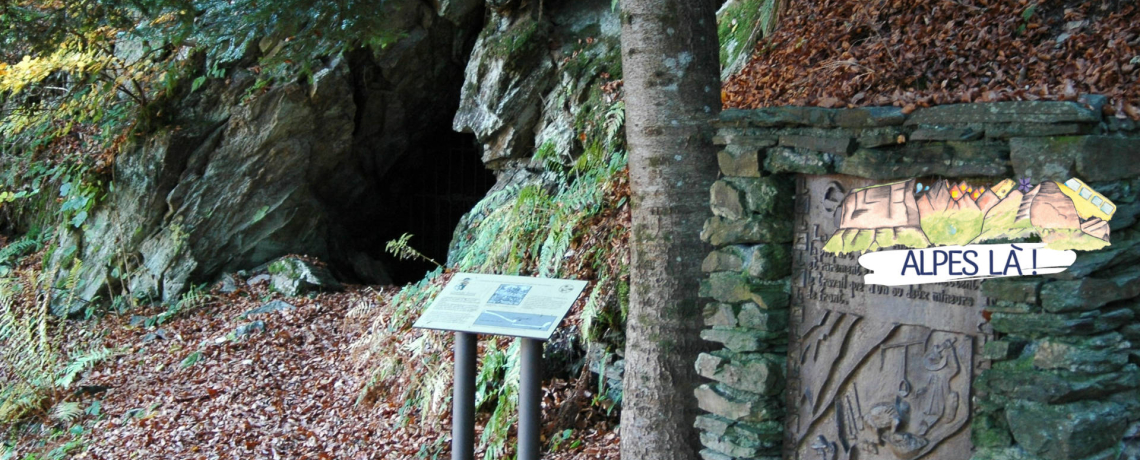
(534,70)
(303,168)
(239,181)
(533,84)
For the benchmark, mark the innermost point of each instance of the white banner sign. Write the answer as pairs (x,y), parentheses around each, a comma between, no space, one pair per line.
(952,263)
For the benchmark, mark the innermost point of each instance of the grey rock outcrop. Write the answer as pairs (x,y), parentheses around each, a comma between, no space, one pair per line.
(189,206)
(533,83)
(237,181)
(509,72)
(533,72)
(294,277)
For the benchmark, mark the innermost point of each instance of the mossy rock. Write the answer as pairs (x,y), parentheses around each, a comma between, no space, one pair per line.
(740,24)
(292,277)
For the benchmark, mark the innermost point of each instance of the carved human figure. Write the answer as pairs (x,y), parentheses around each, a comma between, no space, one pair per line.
(941,364)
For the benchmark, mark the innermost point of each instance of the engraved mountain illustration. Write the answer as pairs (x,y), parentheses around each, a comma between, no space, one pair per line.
(877,217)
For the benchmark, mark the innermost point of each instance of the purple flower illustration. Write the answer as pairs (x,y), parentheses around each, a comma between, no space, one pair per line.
(1025,186)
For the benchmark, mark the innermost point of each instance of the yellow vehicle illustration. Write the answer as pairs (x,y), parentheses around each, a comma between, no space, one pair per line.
(1089,203)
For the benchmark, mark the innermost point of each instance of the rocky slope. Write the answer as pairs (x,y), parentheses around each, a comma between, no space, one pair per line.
(243,176)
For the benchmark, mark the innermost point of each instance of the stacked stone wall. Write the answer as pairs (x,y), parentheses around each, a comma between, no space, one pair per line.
(1061,379)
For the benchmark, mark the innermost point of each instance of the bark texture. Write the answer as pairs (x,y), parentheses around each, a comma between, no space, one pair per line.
(671,67)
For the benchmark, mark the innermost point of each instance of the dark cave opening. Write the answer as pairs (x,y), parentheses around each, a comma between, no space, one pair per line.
(430,192)
(425,193)
(409,172)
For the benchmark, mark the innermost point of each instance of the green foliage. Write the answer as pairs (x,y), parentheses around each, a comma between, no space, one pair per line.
(78,199)
(80,363)
(58,445)
(505,391)
(400,248)
(561,437)
(741,24)
(615,120)
(28,356)
(194,298)
(15,250)
(191,359)
(38,373)
(524,41)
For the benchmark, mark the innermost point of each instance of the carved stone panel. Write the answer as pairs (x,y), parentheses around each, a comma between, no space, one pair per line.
(874,372)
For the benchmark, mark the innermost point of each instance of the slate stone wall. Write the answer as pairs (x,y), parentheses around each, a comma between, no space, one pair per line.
(1063,379)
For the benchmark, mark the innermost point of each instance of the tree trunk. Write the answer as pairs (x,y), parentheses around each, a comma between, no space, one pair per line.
(672,83)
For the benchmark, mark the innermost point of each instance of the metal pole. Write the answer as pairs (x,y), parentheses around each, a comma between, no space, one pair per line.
(530,399)
(463,399)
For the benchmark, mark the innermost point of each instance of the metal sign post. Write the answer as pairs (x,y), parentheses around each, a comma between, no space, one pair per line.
(530,400)
(463,399)
(529,308)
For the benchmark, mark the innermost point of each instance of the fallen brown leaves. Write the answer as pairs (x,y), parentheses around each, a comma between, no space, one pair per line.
(288,392)
(917,53)
(281,393)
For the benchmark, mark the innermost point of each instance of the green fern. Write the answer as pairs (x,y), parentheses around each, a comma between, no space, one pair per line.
(400,248)
(67,412)
(82,362)
(194,298)
(13,251)
(519,230)
(38,376)
(615,120)
(27,354)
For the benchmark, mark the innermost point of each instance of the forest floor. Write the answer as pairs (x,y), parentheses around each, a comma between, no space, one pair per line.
(195,388)
(920,53)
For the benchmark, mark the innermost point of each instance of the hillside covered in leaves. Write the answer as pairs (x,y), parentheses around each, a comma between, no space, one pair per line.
(918,53)
(160,157)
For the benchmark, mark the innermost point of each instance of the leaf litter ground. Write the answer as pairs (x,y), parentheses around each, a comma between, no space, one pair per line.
(194,391)
(918,53)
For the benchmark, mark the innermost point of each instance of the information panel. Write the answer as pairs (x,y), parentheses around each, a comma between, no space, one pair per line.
(518,306)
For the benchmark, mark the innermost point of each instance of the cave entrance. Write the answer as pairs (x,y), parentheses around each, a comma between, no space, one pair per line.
(430,191)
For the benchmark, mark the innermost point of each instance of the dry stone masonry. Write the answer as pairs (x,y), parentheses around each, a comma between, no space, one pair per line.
(815,364)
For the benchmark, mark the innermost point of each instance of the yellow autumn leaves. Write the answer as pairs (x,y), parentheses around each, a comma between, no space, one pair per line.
(69,58)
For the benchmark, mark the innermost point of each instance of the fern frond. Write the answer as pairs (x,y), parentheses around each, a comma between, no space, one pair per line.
(81,363)
(72,281)
(67,411)
(615,120)
(400,248)
(16,249)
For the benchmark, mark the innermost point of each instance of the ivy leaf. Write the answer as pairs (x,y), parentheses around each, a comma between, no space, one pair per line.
(95,408)
(1028,13)
(191,360)
(79,219)
(197,83)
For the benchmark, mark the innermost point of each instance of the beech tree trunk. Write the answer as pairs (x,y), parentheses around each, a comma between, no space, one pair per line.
(671,66)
